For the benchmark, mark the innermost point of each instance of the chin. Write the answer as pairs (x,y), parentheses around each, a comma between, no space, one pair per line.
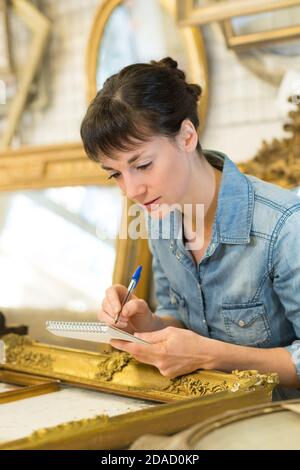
(161,212)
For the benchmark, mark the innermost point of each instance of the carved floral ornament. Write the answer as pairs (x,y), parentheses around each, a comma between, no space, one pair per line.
(278,161)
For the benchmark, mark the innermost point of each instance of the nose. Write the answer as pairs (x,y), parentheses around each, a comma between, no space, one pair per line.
(134,188)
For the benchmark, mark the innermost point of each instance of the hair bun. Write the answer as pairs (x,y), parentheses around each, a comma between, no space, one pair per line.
(170,63)
(195,90)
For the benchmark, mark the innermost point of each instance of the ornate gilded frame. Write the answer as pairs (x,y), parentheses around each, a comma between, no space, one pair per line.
(119,373)
(278,161)
(118,432)
(196,396)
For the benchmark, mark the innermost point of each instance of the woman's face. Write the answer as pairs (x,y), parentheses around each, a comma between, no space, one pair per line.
(154,175)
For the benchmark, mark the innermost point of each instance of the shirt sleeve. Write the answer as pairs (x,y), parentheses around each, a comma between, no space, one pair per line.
(287,278)
(165,306)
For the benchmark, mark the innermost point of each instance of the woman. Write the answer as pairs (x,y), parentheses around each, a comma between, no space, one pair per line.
(229,297)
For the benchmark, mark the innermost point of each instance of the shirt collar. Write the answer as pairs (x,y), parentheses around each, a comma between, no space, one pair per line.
(235,205)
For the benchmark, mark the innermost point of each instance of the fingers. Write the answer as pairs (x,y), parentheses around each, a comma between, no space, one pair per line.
(148,354)
(141,352)
(111,306)
(114,296)
(155,336)
(133,307)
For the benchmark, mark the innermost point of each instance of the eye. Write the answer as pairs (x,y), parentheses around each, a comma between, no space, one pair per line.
(143,167)
(114,175)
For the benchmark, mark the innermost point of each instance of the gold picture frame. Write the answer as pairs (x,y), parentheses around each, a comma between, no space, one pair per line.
(193,438)
(118,373)
(224,11)
(29,385)
(119,432)
(196,396)
(240,42)
(278,161)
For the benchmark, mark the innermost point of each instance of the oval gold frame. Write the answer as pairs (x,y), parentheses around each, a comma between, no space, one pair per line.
(133,252)
(195,48)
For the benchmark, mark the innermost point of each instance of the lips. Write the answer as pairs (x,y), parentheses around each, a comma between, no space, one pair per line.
(151,202)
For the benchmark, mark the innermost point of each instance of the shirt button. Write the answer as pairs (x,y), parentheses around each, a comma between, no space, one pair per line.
(171,245)
(178,255)
(204,321)
(241,323)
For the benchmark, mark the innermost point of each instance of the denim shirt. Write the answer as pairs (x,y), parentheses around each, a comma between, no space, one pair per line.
(246,288)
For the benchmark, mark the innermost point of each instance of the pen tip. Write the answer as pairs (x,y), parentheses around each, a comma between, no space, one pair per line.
(137,273)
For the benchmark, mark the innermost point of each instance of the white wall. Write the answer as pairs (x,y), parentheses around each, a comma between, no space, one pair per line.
(242,109)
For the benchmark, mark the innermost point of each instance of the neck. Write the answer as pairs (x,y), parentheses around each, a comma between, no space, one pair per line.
(203,189)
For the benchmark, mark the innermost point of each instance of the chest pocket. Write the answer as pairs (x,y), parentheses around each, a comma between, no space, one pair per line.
(180,303)
(247,324)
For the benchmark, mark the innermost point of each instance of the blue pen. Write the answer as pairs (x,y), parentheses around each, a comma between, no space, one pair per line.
(133,283)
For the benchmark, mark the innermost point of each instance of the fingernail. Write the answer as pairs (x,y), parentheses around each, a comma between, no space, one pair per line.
(116,308)
(122,324)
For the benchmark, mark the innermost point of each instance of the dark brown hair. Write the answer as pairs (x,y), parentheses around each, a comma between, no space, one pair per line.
(139,102)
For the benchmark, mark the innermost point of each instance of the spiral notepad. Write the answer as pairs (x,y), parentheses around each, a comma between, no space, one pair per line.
(90,331)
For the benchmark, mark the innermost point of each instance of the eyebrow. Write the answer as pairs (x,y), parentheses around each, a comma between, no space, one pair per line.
(131,160)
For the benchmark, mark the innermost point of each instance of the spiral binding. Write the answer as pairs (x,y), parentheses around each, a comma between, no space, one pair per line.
(90,327)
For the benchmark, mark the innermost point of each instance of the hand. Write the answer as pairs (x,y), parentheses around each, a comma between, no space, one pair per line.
(174,351)
(135,316)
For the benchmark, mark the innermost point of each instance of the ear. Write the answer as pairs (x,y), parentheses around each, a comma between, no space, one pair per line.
(187,136)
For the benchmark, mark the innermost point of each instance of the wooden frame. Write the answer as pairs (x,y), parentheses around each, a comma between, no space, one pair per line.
(7,69)
(119,432)
(48,166)
(39,25)
(261,38)
(120,374)
(196,396)
(31,386)
(191,439)
(224,11)
(188,15)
